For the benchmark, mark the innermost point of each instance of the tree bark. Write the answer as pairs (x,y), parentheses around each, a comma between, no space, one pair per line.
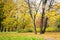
(9,29)
(41,24)
(4,29)
(45,25)
(35,25)
(43,16)
(0,26)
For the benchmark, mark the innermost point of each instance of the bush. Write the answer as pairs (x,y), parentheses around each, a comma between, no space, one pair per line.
(24,30)
(19,30)
(29,30)
(52,29)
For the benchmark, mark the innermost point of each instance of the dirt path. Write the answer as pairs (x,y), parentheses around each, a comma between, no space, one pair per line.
(46,36)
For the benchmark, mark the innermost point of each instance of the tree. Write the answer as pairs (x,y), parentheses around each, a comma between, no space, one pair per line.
(33,10)
(44,19)
(1,13)
(6,8)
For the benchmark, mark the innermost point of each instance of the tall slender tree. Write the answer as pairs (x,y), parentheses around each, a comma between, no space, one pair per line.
(34,3)
(44,19)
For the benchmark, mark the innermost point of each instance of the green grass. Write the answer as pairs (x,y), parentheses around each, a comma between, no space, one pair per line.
(27,36)
(19,38)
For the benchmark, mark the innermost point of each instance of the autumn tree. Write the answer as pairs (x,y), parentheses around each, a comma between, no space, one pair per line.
(7,8)
(43,17)
(1,13)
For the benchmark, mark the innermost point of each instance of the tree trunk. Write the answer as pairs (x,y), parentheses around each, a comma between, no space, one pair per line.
(9,29)
(30,11)
(45,25)
(42,18)
(15,28)
(34,25)
(58,26)
(0,26)
(1,29)
(12,29)
(4,29)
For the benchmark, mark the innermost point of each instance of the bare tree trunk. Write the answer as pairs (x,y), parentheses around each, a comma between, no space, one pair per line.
(45,25)
(1,29)
(4,29)
(43,16)
(35,25)
(9,29)
(30,11)
(41,24)
(0,26)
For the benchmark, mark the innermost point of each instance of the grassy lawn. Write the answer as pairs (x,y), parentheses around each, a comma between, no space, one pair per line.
(18,36)
(29,36)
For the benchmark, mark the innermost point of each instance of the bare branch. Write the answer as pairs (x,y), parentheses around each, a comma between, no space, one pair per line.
(51,3)
(30,11)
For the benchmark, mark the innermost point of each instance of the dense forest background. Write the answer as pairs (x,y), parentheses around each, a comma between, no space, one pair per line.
(25,16)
